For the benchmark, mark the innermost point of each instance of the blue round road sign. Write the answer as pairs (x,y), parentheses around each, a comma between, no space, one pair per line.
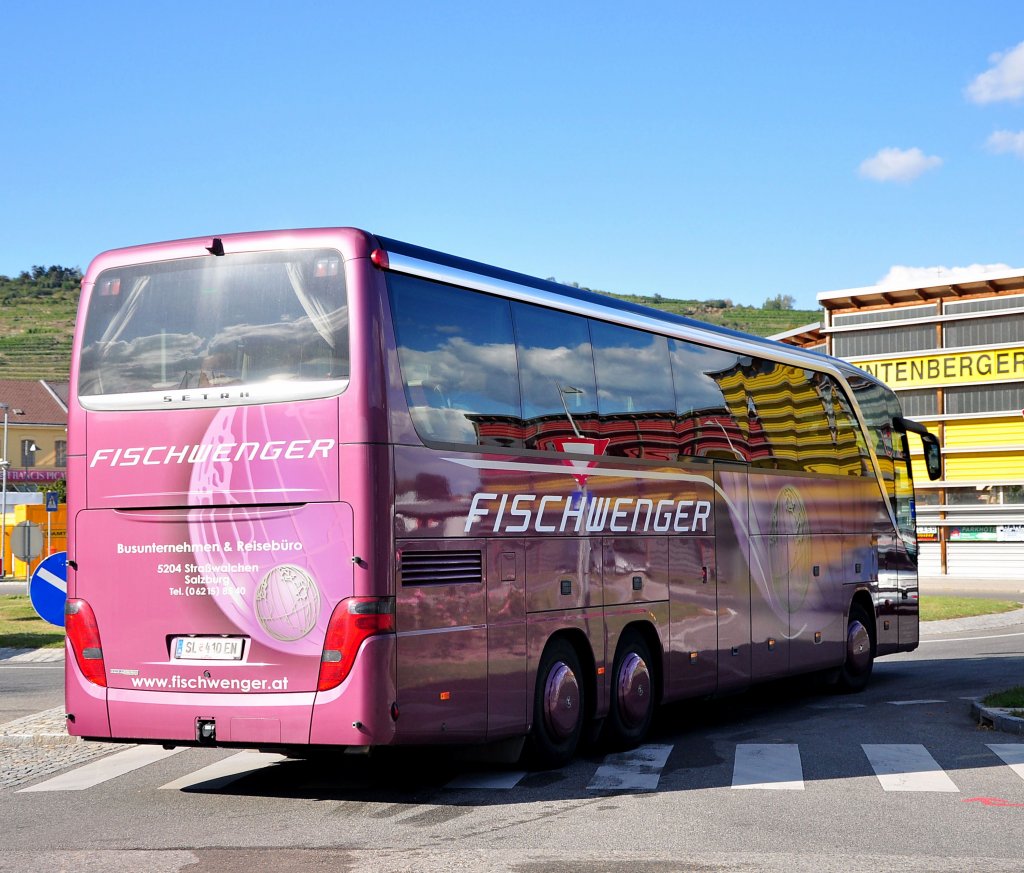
(48,588)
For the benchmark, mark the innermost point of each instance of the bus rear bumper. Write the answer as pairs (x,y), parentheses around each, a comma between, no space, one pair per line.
(356,713)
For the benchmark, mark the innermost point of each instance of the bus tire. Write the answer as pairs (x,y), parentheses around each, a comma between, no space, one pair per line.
(559,709)
(632,693)
(860,652)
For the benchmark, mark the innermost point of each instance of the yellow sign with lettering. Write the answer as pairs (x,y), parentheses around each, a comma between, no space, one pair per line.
(956,368)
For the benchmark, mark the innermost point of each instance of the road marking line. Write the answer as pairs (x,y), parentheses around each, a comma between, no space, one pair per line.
(1012,754)
(226,771)
(768,765)
(638,770)
(497,781)
(973,639)
(907,767)
(89,775)
(912,702)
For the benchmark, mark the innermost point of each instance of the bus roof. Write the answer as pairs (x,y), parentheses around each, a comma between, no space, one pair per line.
(772,348)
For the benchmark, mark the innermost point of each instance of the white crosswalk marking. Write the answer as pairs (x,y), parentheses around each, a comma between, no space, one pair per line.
(768,765)
(226,771)
(104,769)
(907,767)
(1012,754)
(638,770)
(498,781)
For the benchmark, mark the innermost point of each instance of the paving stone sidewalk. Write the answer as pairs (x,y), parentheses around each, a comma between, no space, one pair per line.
(30,656)
(44,728)
(38,744)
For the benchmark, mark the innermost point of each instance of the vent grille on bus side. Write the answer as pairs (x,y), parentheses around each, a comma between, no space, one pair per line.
(441,568)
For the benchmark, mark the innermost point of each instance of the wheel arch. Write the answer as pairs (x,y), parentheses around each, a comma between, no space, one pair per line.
(862,598)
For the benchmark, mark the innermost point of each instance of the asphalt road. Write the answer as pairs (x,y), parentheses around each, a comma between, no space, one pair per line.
(29,688)
(418,810)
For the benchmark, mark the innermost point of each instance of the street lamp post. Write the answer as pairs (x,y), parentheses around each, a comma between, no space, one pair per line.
(4,464)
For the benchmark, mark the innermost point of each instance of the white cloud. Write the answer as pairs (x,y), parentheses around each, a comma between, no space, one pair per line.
(1003,81)
(1007,142)
(900,276)
(898,165)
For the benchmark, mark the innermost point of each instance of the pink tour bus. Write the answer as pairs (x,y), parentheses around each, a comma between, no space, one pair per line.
(328,489)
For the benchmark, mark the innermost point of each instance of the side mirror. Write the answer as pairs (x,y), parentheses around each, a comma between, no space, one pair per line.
(932,450)
(932,456)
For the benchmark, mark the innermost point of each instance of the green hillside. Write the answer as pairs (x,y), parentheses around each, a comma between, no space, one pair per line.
(37,320)
(750,319)
(37,317)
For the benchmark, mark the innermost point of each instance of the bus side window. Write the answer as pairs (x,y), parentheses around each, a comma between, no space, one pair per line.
(635,399)
(854,458)
(556,370)
(458,360)
(709,402)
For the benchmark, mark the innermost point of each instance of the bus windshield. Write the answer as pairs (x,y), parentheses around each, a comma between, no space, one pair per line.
(216,321)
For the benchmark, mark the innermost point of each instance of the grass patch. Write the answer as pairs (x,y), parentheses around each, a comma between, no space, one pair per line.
(1011,699)
(936,607)
(21,628)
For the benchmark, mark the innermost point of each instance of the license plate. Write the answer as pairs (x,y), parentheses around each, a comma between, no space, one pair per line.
(207,648)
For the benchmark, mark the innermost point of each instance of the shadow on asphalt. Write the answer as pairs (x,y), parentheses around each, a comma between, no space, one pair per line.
(703,735)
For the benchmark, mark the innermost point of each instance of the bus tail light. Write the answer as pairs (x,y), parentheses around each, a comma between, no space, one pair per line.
(84,635)
(353,620)
(379,258)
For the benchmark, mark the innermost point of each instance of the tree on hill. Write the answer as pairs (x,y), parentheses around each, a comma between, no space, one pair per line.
(779,301)
(41,282)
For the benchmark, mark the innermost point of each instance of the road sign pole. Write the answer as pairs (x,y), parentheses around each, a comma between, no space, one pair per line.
(52,505)
(26,544)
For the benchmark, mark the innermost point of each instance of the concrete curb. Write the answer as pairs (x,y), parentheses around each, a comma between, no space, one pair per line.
(31,656)
(975,622)
(997,719)
(46,728)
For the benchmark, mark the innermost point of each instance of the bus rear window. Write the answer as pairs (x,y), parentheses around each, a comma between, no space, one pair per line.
(216,321)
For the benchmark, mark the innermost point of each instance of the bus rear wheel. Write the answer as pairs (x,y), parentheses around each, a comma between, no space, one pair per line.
(860,651)
(558,707)
(633,698)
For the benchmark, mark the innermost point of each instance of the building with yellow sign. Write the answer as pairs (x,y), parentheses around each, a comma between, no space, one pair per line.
(954,353)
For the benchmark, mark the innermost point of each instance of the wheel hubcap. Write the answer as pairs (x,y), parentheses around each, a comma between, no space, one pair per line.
(858,647)
(633,684)
(561,701)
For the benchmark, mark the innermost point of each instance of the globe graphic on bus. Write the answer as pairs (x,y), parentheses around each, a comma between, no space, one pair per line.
(287,603)
(789,545)
(288,576)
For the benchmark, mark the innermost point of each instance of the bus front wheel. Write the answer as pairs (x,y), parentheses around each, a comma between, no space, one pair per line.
(558,707)
(860,651)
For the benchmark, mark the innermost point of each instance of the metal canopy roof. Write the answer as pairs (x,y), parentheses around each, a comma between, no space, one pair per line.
(979,285)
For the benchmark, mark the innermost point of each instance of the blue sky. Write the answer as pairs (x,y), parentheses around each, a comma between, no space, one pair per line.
(691,149)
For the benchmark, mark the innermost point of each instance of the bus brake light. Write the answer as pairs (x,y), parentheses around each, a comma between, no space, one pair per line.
(84,636)
(353,620)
